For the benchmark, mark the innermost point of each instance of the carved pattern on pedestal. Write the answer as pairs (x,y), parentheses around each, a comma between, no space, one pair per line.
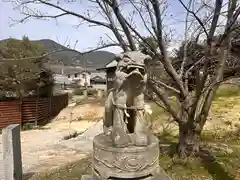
(124,163)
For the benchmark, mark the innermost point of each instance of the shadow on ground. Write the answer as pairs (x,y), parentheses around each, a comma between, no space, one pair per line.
(214,168)
(211,163)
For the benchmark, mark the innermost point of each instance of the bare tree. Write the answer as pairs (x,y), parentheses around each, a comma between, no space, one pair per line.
(193,106)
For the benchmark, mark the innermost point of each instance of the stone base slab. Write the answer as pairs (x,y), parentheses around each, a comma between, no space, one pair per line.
(157,177)
(129,163)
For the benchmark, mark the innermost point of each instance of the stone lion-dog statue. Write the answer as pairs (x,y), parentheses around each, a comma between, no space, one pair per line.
(124,108)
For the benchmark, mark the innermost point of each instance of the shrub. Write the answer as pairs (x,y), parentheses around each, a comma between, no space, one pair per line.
(28,126)
(78,91)
(92,92)
(70,95)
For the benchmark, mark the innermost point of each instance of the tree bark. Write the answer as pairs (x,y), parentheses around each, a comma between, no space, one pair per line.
(189,140)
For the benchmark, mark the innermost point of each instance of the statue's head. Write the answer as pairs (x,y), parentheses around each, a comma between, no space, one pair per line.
(133,63)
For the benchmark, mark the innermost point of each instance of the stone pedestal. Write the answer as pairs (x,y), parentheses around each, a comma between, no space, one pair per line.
(12,157)
(125,163)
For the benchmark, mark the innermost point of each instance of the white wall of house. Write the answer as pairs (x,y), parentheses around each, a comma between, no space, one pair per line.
(61,79)
(71,78)
(100,86)
(84,79)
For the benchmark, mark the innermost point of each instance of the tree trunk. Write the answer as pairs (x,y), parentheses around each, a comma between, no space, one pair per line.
(189,140)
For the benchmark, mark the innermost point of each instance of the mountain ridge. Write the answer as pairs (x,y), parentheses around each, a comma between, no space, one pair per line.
(92,60)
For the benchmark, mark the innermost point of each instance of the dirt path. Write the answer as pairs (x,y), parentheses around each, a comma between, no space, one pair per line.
(54,151)
(46,148)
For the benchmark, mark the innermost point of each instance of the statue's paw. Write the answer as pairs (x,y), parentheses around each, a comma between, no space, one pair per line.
(107,130)
(141,140)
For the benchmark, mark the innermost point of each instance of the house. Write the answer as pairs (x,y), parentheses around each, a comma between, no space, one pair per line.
(77,76)
(67,75)
(81,78)
(98,80)
(110,69)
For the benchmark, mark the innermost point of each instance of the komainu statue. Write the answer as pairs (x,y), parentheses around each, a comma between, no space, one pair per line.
(126,149)
(124,109)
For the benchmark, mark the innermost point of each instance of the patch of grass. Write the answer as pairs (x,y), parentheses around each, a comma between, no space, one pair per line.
(230,161)
(28,126)
(219,159)
(229,137)
(178,169)
(212,164)
(72,171)
(157,112)
(32,126)
(167,137)
(223,104)
(78,91)
(90,91)
(227,91)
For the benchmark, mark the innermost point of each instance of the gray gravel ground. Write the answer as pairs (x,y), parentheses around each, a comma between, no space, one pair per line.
(47,149)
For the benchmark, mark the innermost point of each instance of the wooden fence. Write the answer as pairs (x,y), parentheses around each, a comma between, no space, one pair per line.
(29,110)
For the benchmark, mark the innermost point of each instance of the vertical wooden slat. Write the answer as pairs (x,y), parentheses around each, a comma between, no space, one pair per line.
(9,113)
(31,109)
(36,117)
(20,109)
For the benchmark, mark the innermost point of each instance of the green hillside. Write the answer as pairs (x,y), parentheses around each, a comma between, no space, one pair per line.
(92,60)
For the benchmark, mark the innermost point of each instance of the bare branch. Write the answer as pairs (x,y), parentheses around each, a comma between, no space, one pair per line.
(229,25)
(156,100)
(154,26)
(190,69)
(143,19)
(114,29)
(186,42)
(166,102)
(217,10)
(211,91)
(197,18)
(166,62)
(159,83)
(141,37)
(115,6)
(65,12)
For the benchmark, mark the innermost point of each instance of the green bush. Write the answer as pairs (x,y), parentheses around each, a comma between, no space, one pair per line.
(92,92)
(28,126)
(70,95)
(78,91)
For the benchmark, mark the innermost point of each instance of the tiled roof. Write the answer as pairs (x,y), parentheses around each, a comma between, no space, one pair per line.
(111,64)
(98,74)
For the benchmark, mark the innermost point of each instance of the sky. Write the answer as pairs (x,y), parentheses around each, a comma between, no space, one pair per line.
(64,31)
